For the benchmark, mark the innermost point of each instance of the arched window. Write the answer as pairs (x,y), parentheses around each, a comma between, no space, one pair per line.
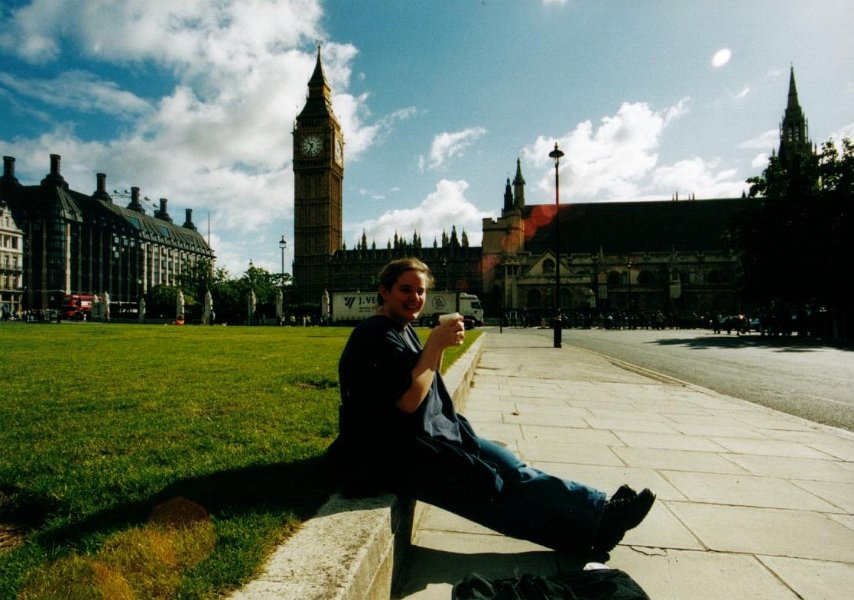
(647,278)
(548,266)
(535,299)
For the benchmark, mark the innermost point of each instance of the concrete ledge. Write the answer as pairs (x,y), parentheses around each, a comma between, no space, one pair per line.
(350,548)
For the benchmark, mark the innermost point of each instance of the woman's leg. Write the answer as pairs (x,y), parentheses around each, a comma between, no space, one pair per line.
(532,505)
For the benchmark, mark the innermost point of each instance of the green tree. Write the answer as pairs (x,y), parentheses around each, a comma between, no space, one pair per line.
(160,302)
(198,278)
(795,238)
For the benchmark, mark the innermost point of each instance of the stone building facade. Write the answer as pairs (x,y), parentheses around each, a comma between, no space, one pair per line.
(77,243)
(636,257)
(11,263)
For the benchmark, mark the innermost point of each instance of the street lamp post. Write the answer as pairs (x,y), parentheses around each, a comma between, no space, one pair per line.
(556,154)
(283,243)
(629,281)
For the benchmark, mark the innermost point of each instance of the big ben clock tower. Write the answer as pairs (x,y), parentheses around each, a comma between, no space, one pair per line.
(318,189)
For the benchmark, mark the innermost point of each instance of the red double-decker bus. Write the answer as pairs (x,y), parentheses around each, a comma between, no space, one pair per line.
(76,306)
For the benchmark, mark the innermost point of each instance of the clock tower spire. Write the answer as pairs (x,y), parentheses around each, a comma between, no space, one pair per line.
(318,151)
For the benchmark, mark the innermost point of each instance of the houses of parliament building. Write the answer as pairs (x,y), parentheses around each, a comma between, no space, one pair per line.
(664,257)
(654,257)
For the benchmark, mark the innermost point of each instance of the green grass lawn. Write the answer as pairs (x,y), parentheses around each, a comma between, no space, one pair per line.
(151,462)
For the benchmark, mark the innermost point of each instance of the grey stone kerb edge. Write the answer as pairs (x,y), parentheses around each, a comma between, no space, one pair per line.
(350,548)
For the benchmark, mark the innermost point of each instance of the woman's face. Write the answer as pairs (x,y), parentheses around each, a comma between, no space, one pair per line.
(405,300)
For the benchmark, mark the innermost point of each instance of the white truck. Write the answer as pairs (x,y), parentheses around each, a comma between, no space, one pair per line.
(348,307)
(440,302)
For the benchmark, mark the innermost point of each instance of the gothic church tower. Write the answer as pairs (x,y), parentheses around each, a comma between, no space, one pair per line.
(794,136)
(318,189)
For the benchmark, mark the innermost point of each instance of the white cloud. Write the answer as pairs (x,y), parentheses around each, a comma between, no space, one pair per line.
(80,90)
(219,140)
(760,161)
(845,132)
(449,145)
(721,57)
(697,177)
(619,160)
(444,207)
(766,140)
(744,92)
(608,162)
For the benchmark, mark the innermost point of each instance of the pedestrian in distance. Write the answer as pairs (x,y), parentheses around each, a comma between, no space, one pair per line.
(399,432)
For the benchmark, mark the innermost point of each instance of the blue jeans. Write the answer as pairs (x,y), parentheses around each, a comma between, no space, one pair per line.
(526,503)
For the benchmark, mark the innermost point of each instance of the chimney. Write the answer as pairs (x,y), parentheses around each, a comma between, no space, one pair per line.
(54,178)
(188,223)
(162,213)
(134,201)
(101,189)
(9,170)
(8,167)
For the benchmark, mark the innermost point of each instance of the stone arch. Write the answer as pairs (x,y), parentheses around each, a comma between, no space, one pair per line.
(647,278)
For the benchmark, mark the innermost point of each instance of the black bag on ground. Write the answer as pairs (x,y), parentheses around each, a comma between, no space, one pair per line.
(598,584)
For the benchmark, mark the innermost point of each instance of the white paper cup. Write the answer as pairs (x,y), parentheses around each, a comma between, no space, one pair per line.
(449,317)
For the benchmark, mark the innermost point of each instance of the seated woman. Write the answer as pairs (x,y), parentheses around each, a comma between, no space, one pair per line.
(399,432)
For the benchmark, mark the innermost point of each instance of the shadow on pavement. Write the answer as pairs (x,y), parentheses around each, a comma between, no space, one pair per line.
(425,566)
(780,344)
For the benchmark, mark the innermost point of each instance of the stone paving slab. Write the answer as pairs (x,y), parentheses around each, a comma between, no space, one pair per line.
(752,503)
(795,468)
(684,575)
(812,579)
(774,532)
(745,490)
(679,460)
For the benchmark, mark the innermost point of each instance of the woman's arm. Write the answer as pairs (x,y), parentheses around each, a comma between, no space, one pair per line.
(443,336)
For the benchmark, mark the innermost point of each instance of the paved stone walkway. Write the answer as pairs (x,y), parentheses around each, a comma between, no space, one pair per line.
(752,503)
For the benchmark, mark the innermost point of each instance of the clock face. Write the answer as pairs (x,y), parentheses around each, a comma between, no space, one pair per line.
(311,145)
(339,151)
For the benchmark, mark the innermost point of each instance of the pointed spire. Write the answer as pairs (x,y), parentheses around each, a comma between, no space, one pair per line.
(318,78)
(794,135)
(508,197)
(793,90)
(319,103)
(519,186)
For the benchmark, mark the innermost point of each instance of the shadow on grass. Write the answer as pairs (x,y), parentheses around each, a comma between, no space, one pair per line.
(778,343)
(298,488)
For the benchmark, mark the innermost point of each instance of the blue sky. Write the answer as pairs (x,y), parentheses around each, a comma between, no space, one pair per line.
(194,101)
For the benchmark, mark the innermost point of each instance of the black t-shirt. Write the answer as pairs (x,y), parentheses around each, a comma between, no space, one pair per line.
(374,372)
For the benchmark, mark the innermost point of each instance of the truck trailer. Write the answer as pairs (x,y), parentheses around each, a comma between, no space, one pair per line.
(349,307)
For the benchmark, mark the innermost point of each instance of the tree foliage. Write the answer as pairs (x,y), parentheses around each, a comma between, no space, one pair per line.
(796,238)
(230,295)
